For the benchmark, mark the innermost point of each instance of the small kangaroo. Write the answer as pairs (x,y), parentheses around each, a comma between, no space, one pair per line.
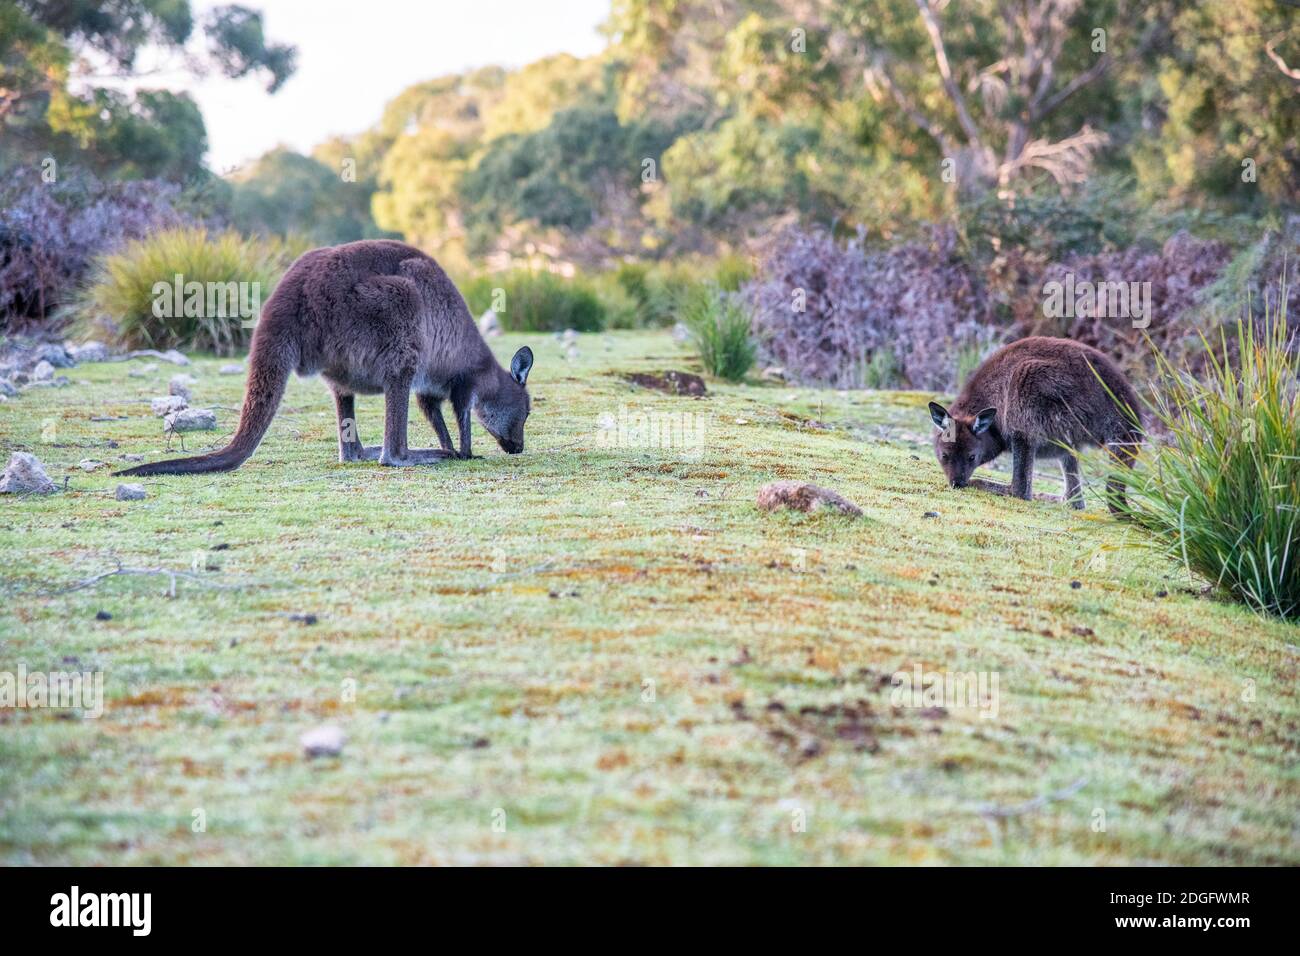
(1042,398)
(372,317)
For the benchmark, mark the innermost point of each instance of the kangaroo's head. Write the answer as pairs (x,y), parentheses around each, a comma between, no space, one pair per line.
(504,409)
(963,443)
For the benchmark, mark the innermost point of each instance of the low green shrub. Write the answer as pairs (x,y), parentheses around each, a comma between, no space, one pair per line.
(184,288)
(1223,493)
(720,327)
(527,301)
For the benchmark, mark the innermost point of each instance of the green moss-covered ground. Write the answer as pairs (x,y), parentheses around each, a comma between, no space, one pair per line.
(601,652)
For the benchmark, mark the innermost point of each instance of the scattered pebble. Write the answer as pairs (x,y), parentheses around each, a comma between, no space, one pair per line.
(681,334)
(130,493)
(180,384)
(89,352)
(43,372)
(133,457)
(25,475)
(168,404)
(103,616)
(1076,584)
(803,496)
(307,619)
(89,464)
(931,514)
(235,369)
(191,420)
(326,741)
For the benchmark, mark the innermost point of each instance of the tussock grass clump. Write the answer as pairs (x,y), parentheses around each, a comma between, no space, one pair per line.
(136,299)
(1224,493)
(527,301)
(721,330)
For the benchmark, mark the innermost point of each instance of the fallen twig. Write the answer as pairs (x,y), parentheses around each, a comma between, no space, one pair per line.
(121,570)
(995,812)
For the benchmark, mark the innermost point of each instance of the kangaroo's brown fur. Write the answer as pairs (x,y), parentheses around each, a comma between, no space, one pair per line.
(1041,398)
(373,317)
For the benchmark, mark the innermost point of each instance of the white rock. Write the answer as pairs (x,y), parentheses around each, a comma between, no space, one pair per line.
(489,325)
(89,464)
(90,352)
(43,371)
(325,741)
(570,336)
(168,404)
(25,475)
(130,493)
(231,370)
(180,385)
(191,420)
(681,334)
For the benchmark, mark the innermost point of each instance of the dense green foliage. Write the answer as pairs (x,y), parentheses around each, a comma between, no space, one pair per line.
(1223,493)
(222,281)
(527,301)
(721,330)
(51,104)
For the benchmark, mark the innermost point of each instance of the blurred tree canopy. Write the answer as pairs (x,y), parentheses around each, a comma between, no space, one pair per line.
(706,123)
(54,58)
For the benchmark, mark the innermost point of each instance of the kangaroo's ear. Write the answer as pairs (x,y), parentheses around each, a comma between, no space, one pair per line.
(521,364)
(939,414)
(983,420)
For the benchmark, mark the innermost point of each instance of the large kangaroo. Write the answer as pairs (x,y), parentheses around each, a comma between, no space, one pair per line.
(370,317)
(1042,398)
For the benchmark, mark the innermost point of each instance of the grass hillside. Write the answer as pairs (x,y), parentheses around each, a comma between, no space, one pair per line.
(595,653)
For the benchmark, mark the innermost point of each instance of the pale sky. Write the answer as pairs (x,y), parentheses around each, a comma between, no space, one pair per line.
(356,55)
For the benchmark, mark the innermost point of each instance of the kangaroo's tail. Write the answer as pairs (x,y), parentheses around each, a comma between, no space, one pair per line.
(270,363)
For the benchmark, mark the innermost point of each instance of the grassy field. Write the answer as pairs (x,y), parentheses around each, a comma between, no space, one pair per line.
(602,652)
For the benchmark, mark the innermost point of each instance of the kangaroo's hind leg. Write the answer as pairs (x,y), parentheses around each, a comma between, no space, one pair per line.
(1073,484)
(350,447)
(1124,453)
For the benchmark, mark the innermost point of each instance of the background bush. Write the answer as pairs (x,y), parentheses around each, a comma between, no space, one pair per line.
(50,234)
(538,301)
(118,306)
(1222,493)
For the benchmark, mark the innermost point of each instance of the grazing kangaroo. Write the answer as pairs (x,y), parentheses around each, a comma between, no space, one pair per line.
(373,317)
(1041,398)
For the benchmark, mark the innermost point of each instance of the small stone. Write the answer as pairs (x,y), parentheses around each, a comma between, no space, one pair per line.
(7,388)
(90,352)
(25,475)
(569,336)
(130,493)
(103,616)
(803,496)
(234,369)
(307,619)
(43,372)
(180,385)
(133,457)
(176,358)
(774,373)
(681,334)
(931,514)
(89,464)
(168,404)
(1076,584)
(191,420)
(326,741)
(56,355)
